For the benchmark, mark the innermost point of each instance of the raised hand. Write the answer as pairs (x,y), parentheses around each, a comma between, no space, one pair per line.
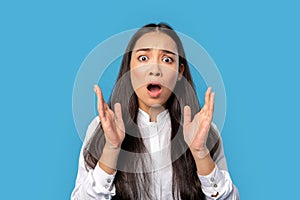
(196,131)
(112,122)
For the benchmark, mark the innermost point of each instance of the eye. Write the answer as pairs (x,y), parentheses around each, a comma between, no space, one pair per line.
(143,58)
(167,59)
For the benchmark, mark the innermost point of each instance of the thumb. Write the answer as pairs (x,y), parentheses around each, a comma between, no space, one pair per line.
(119,118)
(118,112)
(187,115)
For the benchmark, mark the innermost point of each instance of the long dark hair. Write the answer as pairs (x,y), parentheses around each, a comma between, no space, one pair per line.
(186,184)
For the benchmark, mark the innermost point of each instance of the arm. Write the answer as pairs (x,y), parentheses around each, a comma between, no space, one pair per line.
(218,181)
(97,183)
(215,183)
(92,183)
(114,132)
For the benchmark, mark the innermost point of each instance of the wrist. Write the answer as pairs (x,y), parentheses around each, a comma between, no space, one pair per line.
(200,153)
(203,161)
(109,158)
(111,148)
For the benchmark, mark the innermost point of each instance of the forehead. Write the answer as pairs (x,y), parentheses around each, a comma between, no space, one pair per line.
(156,40)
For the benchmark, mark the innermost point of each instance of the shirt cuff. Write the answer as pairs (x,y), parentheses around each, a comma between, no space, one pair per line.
(216,184)
(103,182)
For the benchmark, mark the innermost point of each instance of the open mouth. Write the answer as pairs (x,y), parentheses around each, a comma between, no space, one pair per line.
(154,89)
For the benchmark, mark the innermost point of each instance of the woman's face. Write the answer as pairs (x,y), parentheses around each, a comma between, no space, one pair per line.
(154,69)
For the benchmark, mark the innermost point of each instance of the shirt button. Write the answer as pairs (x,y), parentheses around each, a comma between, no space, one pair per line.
(106,186)
(215,185)
(212,179)
(106,196)
(108,180)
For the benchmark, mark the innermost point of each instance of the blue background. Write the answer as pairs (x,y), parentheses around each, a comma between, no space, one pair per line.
(255,45)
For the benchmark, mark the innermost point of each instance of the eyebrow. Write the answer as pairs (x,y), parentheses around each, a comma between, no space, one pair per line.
(148,49)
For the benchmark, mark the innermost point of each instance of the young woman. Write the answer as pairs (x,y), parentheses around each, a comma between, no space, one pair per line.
(152,140)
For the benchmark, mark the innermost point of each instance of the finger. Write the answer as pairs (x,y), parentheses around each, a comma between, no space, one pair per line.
(187,115)
(106,107)
(119,117)
(212,103)
(109,114)
(100,102)
(118,112)
(207,95)
(207,98)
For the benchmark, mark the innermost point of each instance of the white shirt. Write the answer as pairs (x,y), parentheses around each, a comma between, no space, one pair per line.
(95,184)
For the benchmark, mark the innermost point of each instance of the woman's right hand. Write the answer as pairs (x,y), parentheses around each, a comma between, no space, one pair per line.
(111,122)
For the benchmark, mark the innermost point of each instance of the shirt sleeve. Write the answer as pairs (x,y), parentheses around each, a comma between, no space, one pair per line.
(218,184)
(92,184)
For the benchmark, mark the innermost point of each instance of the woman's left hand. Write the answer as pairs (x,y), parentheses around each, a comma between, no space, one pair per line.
(195,132)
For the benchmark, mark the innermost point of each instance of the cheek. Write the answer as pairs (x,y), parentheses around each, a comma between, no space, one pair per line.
(171,79)
(137,78)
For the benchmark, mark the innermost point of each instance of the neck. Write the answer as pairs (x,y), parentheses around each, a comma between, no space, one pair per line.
(153,112)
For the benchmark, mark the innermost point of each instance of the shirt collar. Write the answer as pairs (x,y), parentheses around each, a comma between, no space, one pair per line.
(153,129)
(145,118)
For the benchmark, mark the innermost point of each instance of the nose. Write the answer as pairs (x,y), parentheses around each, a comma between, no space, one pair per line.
(155,70)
